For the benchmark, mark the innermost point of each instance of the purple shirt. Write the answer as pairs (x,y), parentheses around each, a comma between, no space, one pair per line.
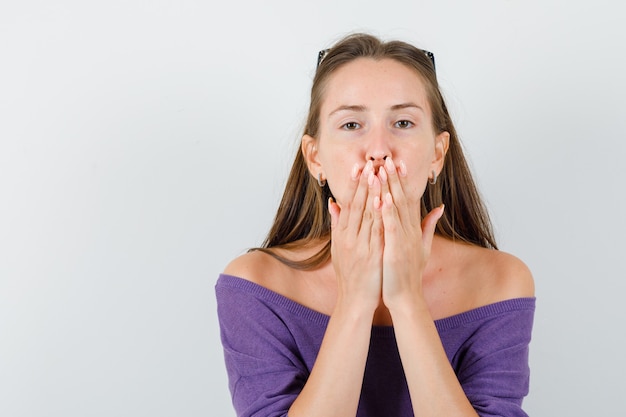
(271,342)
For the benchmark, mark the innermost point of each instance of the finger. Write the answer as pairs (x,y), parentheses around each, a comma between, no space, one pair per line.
(384,182)
(377,234)
(389,216)
(358,203)
(428,226)
(377,241)
(396,189)
(413,201)
(370,211)
(335,212)
(356,177)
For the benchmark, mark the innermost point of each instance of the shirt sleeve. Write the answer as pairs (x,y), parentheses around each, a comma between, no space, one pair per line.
(492,365)
(264,369)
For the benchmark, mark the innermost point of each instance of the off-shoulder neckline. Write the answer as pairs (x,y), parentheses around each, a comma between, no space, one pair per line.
(442,324)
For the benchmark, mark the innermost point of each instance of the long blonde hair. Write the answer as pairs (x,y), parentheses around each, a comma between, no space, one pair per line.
(303,217)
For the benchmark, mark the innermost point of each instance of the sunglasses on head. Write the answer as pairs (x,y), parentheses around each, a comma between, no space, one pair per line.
(322,54)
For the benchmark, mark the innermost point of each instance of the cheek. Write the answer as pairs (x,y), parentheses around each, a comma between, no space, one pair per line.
(340,188)
(414,187)
(416,181)
(338,172)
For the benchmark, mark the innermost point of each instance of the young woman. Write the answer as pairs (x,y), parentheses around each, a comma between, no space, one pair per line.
(379,290)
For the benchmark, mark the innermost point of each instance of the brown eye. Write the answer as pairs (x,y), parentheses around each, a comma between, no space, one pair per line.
(351,126)
(404,124)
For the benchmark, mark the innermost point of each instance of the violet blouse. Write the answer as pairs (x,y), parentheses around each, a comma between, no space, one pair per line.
(271,342)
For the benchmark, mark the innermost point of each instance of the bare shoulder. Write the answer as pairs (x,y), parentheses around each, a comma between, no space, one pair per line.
(255,266)
(462,277)
(314,289)
(485,275)
(504,274)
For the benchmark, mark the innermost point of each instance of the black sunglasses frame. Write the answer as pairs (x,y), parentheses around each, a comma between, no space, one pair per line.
(322,54)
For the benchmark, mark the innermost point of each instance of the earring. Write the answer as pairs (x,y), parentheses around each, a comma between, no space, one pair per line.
(320,181)
(433,180)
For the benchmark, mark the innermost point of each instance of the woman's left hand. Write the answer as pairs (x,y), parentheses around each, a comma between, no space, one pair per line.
(407,238)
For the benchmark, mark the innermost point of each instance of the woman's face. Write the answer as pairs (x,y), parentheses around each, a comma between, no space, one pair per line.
(374,110)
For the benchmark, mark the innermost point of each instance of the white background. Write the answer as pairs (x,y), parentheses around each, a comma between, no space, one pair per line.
(144,144)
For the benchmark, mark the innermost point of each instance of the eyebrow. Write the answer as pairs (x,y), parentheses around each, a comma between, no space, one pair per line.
(358,108)
(406,106)
(354,108)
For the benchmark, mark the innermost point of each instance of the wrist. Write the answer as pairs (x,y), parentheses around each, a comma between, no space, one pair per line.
(355,307)
(407,305)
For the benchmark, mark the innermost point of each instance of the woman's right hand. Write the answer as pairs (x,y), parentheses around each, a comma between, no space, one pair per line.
(334,386)
(357,241)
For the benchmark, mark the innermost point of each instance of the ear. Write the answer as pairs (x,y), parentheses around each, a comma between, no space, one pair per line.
(310,153)
(442,142)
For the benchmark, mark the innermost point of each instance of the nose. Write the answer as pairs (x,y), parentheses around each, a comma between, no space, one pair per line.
(378,161)
(378,149)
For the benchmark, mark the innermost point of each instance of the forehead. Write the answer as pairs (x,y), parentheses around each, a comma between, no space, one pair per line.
(374,84)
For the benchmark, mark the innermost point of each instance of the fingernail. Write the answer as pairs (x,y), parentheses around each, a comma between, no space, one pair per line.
(370,179)
(376,202)
(388,199)
(402,168)
(382,173)
(355,171)
(389,165)
(369,167)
